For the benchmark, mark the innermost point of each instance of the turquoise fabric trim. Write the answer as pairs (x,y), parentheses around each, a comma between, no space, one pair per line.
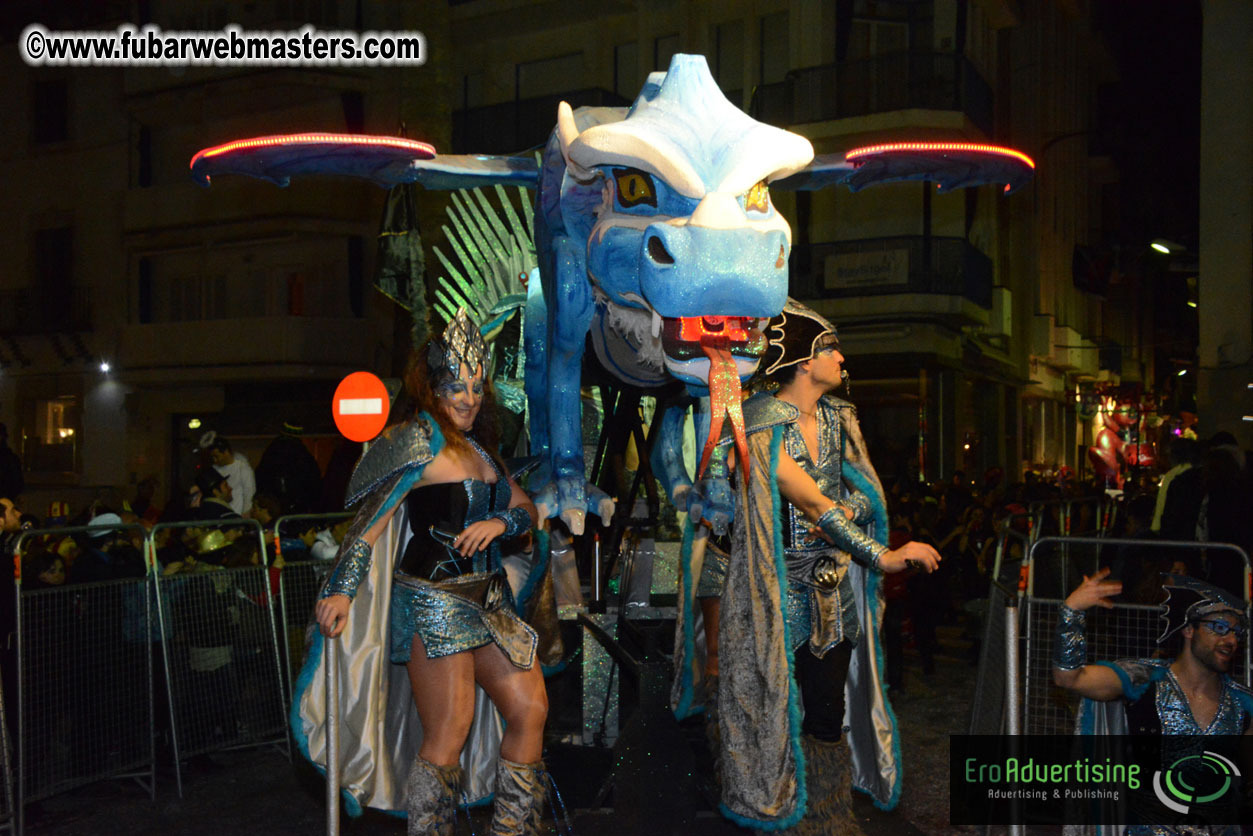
(1129,691)
(880,521)
(538,568)
(1245,699)
(793,704)
(686,696)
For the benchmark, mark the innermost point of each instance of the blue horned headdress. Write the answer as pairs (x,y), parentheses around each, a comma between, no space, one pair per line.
(461,343)
(1188,600)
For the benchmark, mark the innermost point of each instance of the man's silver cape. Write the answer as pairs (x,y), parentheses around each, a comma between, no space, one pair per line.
(762,765)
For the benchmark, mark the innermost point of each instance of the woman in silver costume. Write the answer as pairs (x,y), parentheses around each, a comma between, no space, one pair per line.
(452,619)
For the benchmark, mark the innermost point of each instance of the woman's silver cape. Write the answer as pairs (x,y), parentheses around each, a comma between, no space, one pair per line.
(379,733)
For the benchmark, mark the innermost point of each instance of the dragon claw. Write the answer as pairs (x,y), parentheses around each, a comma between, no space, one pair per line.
(572,498)
(712,500)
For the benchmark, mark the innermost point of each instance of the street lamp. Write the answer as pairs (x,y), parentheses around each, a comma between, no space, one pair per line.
(1166,246)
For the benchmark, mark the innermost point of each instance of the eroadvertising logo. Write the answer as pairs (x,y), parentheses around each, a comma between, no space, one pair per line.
(1194,781)
(1091,779)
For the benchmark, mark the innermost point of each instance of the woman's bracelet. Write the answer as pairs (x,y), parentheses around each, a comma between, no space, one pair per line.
(517,521)
(349,570)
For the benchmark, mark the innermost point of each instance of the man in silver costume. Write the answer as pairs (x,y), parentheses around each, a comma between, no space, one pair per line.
(801,605)
(418,583)
(1192,694)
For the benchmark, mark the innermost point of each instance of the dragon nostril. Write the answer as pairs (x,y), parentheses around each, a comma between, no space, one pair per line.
(657,251)
(778,264)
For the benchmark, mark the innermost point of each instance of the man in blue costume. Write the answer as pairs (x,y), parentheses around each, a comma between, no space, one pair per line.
(801,606)
(1192,694)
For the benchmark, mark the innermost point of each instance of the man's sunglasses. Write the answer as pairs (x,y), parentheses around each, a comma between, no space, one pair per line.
(1221,628)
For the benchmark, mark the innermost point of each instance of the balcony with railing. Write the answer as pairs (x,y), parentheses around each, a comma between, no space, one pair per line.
(306,316)
(29,310)
(524,123)
(879,84)
(907,264)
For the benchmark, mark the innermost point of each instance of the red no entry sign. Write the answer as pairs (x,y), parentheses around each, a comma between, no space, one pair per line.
(360,406)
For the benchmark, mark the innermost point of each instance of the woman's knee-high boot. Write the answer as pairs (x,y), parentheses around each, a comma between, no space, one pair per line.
(519,798)
(431,794)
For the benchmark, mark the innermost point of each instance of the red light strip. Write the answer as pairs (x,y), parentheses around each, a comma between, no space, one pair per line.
(870,150)
(421,148)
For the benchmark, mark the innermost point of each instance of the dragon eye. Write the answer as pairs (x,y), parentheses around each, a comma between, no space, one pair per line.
(758,198)
(634,187)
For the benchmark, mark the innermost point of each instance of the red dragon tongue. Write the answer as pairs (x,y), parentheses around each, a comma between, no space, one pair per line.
(724,400)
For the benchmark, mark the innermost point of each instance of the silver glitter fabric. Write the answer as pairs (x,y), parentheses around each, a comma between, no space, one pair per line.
(859,504)
(456,615)
(349,570)
(823,617)
(399,448)
(517,521)
(1070,645)
(462,613)
(1189,599)
(1176,714)
(713,573)
(461,344)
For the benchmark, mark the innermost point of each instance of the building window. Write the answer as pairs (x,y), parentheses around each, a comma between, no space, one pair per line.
(728,66)
(664,48)
(51,441)
(548,76)
(626,70)
(775,55)
(50,111)
(52,280)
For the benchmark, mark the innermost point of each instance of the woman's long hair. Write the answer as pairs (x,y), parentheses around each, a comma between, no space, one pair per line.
(418,385)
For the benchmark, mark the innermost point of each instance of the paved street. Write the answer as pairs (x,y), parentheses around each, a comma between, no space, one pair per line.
(261,792)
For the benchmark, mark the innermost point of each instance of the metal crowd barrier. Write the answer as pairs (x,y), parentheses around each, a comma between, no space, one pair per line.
(1128,630)
(987,709)
(299,580)
(224,675)
(84,707)
(8,813)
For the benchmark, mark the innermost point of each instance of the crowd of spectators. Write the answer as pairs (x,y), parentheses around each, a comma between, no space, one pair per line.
(1205,495)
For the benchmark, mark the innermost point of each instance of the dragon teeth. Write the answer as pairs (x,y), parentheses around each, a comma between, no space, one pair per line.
(656,324)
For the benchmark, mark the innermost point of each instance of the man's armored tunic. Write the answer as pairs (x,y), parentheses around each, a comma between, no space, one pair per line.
(1153,703)
(804,549)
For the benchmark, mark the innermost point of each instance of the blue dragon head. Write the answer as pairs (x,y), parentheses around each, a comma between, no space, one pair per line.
(685,239)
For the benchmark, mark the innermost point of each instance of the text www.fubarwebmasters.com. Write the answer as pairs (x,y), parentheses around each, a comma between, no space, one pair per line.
(132,46)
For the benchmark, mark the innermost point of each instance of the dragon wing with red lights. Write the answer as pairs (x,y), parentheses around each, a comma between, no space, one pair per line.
(951,165)
(385,160)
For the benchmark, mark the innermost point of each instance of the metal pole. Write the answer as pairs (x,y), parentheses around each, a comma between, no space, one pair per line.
(11,823)
(331,663)
(20,762)
(596,591)
(1012,719)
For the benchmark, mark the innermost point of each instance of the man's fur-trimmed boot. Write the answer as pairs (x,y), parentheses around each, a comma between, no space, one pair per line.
(431,794)
(829,788)
(519,798)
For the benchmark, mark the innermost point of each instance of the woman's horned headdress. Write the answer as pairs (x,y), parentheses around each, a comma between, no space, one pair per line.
(461,343)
